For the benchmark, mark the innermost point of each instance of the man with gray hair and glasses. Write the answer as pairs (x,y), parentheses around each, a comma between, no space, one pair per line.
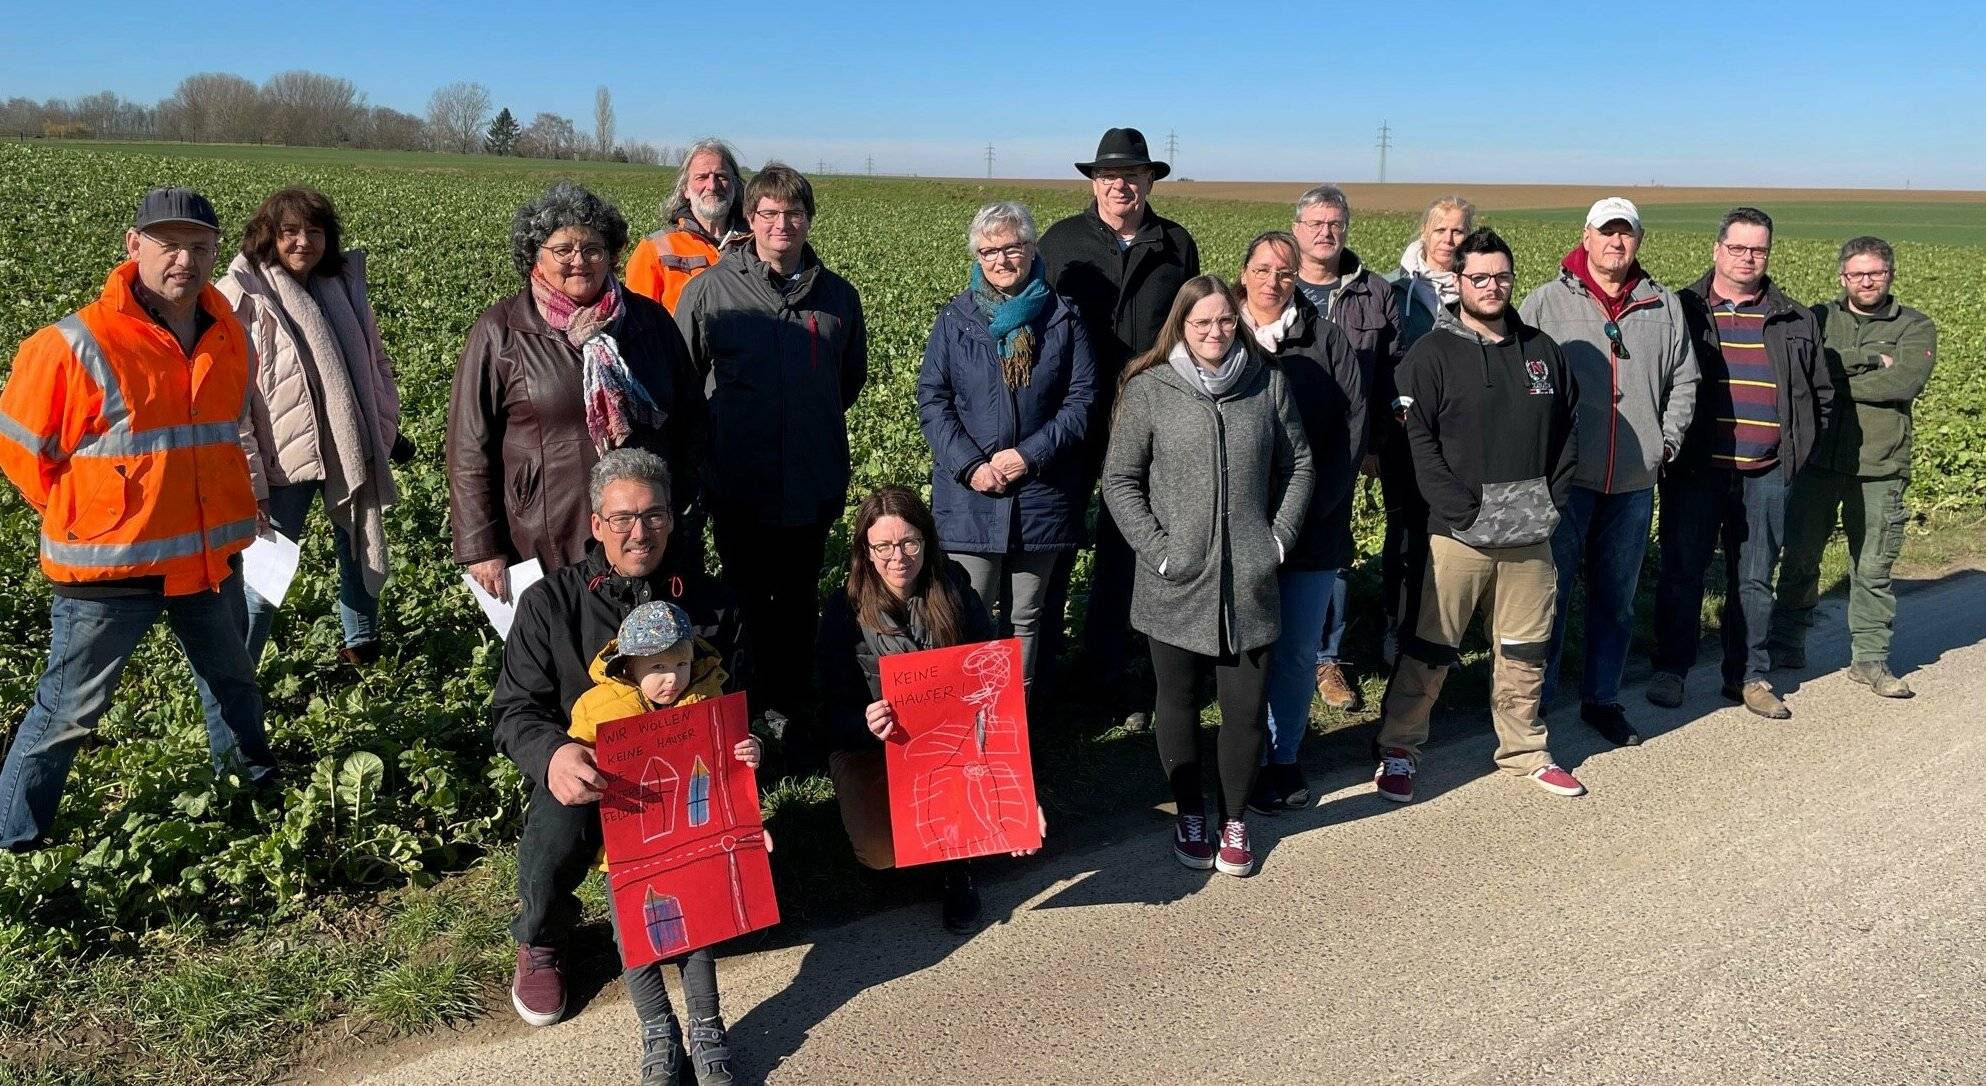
(702,215)
(1763,396)
(1879,354)
(1359,300)
(562,622)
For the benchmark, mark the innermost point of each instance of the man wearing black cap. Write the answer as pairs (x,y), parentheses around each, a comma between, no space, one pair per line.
(1121,263)
(125,425)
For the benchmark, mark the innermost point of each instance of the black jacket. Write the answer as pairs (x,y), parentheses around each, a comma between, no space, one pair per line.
(518,451)
(1121,296)
(1490,426)
(1793,342)
(1328,384)
(848,656)
(781,370)
(563,622)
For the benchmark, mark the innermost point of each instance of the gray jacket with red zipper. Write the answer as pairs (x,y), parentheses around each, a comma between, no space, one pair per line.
(1634,399)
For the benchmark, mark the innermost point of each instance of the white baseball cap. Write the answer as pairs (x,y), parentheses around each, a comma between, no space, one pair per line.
(1612,208)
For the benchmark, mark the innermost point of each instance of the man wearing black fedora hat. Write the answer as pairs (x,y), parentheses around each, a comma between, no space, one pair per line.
(1120,263)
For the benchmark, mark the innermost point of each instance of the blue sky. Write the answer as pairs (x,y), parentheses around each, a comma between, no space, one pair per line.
(1833,94)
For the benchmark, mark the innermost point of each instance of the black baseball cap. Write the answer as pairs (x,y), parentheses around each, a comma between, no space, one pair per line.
(164,205)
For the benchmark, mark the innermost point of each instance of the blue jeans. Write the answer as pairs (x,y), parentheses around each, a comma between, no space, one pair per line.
(1334,622)
(1746,512)
(90,641)
(1306,597)
(1602,537)
(358,610)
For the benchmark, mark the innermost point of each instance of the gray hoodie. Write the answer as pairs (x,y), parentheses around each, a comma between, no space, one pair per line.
(1629,408)
(1213,487)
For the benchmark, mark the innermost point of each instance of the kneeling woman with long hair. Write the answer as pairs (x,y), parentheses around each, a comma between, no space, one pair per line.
(903,595)
(1208,475)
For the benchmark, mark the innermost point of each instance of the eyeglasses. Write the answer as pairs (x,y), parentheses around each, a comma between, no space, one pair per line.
(1756,252)
(882,549)
(1278,275)
(1322,226)
(1226,324)
(1127,177)
(173,248)
(652,519)
(1486,280)
(1869,276)
(791,218)
(1613,332)
(1009,252)
(566,254)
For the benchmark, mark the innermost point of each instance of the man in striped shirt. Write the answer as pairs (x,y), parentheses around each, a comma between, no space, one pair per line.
(1764,392)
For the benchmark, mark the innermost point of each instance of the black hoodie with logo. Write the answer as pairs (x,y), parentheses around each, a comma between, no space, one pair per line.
(1490,428)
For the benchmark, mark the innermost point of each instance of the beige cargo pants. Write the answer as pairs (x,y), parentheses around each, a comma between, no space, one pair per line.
(1520,585)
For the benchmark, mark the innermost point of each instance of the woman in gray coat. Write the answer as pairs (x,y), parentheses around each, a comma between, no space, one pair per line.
(1208,475)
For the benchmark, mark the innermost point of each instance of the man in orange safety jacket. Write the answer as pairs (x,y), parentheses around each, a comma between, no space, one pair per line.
(701,217)
(124,425)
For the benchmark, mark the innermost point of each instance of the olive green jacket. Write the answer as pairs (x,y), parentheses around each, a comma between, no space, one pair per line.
(1869,433)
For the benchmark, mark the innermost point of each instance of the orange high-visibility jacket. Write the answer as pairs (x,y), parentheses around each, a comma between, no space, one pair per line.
(664,262)
(131,451)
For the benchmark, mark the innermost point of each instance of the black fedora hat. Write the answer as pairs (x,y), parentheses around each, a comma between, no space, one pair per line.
(1120,149)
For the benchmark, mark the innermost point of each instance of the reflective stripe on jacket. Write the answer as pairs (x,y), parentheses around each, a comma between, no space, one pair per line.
(663,263)
(132,452)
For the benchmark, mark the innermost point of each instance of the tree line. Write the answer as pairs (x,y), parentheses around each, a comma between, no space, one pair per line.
(310,109)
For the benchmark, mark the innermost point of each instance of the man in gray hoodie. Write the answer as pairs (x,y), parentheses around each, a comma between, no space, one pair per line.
(1628,345)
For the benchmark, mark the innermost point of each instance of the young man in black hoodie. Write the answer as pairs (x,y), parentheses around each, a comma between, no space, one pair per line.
(1488,405)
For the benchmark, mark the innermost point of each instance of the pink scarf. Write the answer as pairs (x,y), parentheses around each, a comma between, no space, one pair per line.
(615,401)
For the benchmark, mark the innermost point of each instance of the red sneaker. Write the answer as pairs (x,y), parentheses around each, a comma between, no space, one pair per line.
(1189,842)
(1558,782)
(1395,775)
(1234,858)
(538,989)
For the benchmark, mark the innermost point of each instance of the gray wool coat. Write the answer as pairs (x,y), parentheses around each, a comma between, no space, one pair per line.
(1215,490)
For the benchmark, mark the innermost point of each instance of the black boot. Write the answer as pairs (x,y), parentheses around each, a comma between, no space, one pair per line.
(661,1053)
(710,1052)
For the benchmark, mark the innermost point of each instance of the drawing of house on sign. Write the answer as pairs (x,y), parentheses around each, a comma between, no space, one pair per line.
(659,784)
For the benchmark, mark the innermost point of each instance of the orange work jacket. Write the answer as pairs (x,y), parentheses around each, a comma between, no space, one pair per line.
(131,451)
(664,262)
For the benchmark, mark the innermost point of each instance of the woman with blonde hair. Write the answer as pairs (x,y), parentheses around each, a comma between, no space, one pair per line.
(1208,474)
(1425,279)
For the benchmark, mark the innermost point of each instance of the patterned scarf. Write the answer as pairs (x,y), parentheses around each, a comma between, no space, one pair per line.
(615,401)
(1011,320)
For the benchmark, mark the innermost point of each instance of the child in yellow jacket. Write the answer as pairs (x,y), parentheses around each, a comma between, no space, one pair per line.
(655,663)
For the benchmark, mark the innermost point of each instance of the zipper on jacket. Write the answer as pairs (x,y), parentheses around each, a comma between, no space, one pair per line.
(1614,378)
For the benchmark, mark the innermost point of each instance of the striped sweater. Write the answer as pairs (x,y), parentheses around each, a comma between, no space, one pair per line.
(1740,391)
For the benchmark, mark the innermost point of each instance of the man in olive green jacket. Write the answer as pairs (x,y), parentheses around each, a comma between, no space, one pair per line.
(1881,353)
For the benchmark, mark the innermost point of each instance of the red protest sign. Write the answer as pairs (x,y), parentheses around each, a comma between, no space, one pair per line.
(961,782)
(686,856)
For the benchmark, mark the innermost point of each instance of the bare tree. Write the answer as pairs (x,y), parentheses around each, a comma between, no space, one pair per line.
(549,136)
(307,108)
(212,107)
(603,122)
(642,153)
(456,115)
(391,130)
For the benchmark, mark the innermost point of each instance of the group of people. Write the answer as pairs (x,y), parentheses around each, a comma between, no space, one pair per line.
(598,423)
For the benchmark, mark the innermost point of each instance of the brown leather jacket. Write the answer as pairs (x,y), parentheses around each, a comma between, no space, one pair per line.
(518,453)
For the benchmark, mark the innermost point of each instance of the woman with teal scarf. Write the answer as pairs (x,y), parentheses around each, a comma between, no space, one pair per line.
(1005,397)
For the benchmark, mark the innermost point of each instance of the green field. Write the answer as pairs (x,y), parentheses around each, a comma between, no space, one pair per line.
(393,782)
(1928,223)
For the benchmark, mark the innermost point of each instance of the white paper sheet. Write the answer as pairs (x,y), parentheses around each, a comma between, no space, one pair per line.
(522,576)
(270,564)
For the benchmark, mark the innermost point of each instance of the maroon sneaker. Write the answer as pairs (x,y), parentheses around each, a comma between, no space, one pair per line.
(1395,776)
(538,989)
(1189,842)
(1234,858)
(1558,782)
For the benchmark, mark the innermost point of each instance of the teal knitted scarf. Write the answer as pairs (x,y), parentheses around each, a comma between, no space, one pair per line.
(1011,320)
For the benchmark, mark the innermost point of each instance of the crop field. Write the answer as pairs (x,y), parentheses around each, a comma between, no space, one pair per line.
(391,778)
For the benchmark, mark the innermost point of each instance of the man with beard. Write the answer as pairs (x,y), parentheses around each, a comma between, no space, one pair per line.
(1628,345)
(1121,263)
(703,216)
(1760,406)
(1879,357)
(1360,302)
(1489,403)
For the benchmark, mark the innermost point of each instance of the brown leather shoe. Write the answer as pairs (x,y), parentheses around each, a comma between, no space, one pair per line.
(1334,689)
(1759,698)
(363,654)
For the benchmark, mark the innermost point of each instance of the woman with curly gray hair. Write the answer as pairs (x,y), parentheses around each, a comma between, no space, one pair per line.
(568,367)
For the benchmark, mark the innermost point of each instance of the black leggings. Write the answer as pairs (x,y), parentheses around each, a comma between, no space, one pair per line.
(1240,681)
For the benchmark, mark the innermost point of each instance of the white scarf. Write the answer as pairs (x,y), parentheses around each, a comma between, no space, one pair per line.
(1443,283)
(1270,336)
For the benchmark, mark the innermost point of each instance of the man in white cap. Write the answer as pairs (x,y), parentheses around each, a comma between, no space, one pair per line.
(1628,345)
